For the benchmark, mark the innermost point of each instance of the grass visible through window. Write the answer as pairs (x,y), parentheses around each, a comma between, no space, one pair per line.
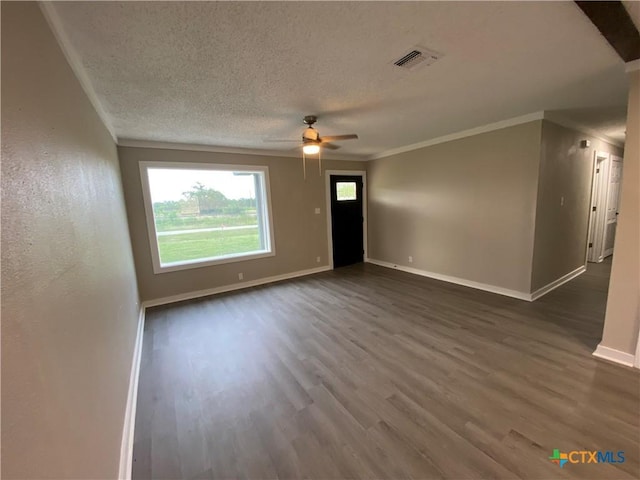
(197,245)
(346,191)
(205,214)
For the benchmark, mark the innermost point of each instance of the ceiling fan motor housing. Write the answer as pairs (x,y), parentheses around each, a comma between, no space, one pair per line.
(310,120)
(310,134)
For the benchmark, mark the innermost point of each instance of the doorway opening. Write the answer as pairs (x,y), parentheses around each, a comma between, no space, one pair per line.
(605,197)
(347,218)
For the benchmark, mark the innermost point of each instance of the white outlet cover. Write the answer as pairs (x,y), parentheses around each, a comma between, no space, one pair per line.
(317,211)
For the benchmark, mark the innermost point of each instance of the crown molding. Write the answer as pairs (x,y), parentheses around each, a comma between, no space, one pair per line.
(194,147)
(462,134)
(55,24)
(565,122)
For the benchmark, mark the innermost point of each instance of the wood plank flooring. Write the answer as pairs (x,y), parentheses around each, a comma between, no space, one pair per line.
(367,372)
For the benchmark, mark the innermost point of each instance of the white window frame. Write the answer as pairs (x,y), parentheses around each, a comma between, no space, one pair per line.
(267,217)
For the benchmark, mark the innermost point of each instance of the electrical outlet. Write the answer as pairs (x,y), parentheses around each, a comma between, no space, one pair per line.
(241,276)
(317,211)
(561,201)
(317,259)
(410,259)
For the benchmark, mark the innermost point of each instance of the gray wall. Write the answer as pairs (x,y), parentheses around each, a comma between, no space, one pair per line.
(464,208)
(300,234)
(622,320)
(561,230)
(69,297)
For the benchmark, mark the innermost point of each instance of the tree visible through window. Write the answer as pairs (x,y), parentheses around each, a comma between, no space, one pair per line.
(345,191)
(208,214)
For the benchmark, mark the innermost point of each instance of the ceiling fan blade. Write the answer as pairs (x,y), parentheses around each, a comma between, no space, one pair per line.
(330,146)
(333,138)
(269,140)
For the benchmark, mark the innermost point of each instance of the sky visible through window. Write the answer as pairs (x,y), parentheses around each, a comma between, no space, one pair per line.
(170,184)
(205,214)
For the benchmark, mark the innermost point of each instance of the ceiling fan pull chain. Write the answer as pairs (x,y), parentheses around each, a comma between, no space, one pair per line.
(320,163)
(304,165)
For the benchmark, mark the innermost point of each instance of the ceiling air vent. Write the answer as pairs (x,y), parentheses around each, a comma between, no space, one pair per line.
(417,57)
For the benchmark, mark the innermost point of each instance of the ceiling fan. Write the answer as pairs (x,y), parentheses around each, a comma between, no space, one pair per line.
(312,142)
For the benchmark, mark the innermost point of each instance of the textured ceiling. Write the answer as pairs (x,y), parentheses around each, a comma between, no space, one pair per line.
(234,73)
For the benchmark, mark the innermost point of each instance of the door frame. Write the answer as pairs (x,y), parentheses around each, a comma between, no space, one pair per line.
(599,188)
(612,159)
(353,173)
(636,362)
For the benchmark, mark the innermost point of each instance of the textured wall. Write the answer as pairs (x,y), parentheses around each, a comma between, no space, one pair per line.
(464,208)
(561,230)
(300,234)
(69,297)
(622,320)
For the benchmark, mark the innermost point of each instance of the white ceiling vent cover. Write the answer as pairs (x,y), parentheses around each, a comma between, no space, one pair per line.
(417,57)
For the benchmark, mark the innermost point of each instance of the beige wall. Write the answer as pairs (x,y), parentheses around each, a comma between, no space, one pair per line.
(561,230)
(300,234)
(69,298)
(622,320)
(464,208)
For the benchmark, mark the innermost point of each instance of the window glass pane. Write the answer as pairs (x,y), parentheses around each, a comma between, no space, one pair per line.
(207,214)
(346,191)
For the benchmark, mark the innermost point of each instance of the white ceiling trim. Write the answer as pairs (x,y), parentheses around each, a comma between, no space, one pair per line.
(565,122)
(192,147)
(462,134)
(632,66)
(73,59)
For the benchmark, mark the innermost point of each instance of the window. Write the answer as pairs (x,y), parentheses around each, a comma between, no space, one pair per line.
(205,214)
(346,191)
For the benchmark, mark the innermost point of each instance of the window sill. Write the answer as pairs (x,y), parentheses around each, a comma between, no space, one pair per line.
(188,265)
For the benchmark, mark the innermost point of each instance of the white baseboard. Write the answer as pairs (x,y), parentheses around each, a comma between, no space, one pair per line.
(232,287)
(458,281)
(614,355)
(126,448)
(556,283)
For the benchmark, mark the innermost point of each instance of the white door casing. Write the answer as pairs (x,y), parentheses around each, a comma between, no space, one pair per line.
(595,239)
(613,199)
(355,173)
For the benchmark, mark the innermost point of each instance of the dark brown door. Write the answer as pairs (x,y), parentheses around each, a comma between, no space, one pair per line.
(346,219)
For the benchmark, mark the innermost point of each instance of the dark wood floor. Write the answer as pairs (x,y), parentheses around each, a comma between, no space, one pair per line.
(366,372)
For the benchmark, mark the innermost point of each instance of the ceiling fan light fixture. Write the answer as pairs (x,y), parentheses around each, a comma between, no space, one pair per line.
(311,148)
